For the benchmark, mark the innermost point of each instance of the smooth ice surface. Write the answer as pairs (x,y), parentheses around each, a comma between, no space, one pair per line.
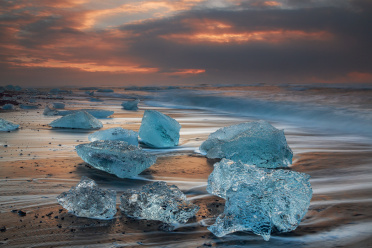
(130,105)
(97,113)
(158,201)
(257,143)
(79,120)
(8,106)
(58,105)
(6,126)
(116,133)
(28,106)
(88,200)
(258,200)
(116,157)
(159,130)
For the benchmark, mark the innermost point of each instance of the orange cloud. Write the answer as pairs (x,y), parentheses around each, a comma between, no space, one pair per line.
(186,72)
(270,36)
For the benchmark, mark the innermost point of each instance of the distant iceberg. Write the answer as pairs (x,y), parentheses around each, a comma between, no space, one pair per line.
(158,201)
(78,120)
(105,90)
(159,130)
(88,200)
(116,157)
(6,126)
(130,105)
(116,133)
(28,106)
(257,199)
(257,143)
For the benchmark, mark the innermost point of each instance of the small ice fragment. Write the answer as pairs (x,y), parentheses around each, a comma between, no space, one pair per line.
(130,105)
(116,157)
(88,200)
(159,130)
(58,105)
(116,133)
(6,126)
(105,90)
(158,201)
(28,106)
(257,199)
(50,112)
(257,143)
(98,113)
(8,106)
(93,99)
(79,120)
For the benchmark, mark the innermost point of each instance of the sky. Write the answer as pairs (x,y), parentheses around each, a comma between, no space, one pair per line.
(178,42)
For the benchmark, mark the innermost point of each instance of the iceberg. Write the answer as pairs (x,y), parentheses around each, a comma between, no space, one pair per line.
(158,201)
(28,106)
(88,200)
(7,126)
(130,105)
(97,113)
(116,133)
(8,106)
(257,143)
(257,199)
(58,105)
(116,157)
(78,120)
(159,130)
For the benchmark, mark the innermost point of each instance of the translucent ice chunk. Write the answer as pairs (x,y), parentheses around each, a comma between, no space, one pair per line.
(257,143)
(87,200)
(130,105)
(157,201)
(28,106)
(49,111)
(58,105)
(79,120)
(8,106)
(116,157)
(258,200)
(116,133)
(159,130)
(97,113)
(6,126)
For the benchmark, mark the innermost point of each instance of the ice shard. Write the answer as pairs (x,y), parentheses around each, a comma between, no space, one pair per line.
(130,105)
(258,200)
(88,200)
(257,143)
(159,130)
(116,133)
(116,157)
(6,126)
(158,201)
(78,120)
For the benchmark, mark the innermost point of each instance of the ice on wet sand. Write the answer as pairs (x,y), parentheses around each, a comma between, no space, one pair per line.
(116,157)
(116,133)
(6,126)
(88,200)
(97,113)
(159,130)
(257,143)
(78,120)
(158,201)
(130,105)
(258,200)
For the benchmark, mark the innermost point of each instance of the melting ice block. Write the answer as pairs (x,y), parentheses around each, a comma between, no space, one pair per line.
(130,105)
(257,143)
(258,200)
(78,119)
(8,106)
(97,113)
(116,133)
(116,157)
(88,200)
(159,130)
(158,201)
(6,126)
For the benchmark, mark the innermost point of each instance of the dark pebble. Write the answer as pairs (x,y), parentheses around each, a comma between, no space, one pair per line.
(21,213)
